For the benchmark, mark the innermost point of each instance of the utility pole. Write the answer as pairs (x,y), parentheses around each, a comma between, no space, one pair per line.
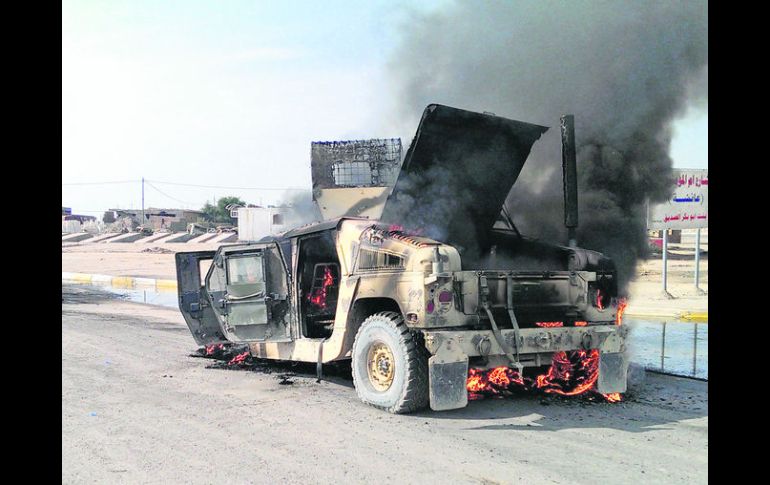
(142,224)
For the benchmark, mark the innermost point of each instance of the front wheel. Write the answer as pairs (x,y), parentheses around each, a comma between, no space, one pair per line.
(390,367)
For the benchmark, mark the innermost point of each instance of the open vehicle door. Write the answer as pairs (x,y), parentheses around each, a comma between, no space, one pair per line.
(249,291)
(193,300)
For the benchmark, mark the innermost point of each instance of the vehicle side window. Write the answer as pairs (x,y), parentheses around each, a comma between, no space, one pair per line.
(203,268)
(369,260)
(245,270)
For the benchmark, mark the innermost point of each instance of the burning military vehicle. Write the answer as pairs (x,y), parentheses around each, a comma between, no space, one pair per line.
(435,294)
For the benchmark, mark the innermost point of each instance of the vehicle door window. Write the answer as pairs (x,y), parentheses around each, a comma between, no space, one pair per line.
(246,270)
(216,278)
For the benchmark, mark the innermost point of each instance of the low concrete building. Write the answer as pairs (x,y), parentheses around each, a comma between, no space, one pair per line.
(71,223)
(70,227)
(158,219)
(171,219)
(254,223)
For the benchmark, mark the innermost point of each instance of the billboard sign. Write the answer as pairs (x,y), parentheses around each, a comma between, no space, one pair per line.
(688,206)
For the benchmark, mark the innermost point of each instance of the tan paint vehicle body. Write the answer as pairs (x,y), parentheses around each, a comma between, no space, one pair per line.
(386,270)
(413,313)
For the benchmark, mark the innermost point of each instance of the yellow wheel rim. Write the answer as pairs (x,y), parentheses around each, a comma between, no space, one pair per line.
(381,366)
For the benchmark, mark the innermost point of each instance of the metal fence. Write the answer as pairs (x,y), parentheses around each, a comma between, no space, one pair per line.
(674,347)
(355,163)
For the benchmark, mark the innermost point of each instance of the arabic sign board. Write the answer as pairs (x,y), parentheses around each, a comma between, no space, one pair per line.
(688,206)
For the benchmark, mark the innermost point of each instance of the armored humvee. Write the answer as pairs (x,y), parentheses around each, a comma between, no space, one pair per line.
(412,311)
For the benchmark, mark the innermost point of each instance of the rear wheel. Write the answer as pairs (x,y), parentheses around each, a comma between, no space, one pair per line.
(389,365)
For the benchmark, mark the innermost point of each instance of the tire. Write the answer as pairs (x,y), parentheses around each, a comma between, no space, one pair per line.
(386,340)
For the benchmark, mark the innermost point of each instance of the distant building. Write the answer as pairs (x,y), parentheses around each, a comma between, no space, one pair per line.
(254,223)
(77,217)
(171,219)
(175,220)
(71,223)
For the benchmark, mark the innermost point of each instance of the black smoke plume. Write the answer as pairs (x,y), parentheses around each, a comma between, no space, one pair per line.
(626,70)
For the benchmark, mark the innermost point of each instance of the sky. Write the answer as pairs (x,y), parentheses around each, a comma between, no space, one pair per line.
(206,99)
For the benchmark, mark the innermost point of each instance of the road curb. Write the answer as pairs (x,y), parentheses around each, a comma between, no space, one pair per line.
(170,285)
(127,282)
(686,315)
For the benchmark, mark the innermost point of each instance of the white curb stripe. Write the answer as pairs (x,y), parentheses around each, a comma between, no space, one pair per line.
(120,281)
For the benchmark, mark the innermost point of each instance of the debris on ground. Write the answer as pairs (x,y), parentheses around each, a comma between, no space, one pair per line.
(238,357)
(157,250)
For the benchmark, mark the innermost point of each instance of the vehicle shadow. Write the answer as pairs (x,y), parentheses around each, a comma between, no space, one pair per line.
(660,401)
(651,405)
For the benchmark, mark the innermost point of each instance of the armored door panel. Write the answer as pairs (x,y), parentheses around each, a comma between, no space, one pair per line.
(246,314)
(194,302)
(252,307)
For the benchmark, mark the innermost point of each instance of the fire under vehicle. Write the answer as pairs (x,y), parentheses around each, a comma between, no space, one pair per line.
(414,312)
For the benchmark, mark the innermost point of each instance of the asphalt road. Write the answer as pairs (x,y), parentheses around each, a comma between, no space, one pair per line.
(138,408)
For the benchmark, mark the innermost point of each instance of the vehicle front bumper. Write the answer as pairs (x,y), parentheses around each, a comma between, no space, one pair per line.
(451,349)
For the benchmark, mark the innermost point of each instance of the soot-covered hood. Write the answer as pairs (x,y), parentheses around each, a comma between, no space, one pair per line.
(457,174)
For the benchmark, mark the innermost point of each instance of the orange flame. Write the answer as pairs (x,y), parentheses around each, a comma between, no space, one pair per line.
(504,376)
(238,359)
(318,297)
(549,324)
(571,374)
(210,349)
(559,373)
(477,382)
(622,304)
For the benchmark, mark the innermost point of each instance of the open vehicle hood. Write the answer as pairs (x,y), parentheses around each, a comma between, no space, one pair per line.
(457,174)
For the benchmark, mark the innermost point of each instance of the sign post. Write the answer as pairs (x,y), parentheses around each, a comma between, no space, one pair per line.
(697,264)
(665,264)
(686,209)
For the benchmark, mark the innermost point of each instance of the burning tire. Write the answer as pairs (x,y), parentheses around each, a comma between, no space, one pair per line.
(390,367)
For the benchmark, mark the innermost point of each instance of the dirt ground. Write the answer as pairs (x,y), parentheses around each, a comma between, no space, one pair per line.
(646,294)
(138,408)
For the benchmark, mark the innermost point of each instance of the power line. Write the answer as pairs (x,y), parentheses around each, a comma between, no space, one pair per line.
(161,192)
(165,194)
(228,187)
(189,185)
(103,183)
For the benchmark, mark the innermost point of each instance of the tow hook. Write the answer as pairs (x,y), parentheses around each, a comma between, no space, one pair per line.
(587,341)
(483,344)
(543,340)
